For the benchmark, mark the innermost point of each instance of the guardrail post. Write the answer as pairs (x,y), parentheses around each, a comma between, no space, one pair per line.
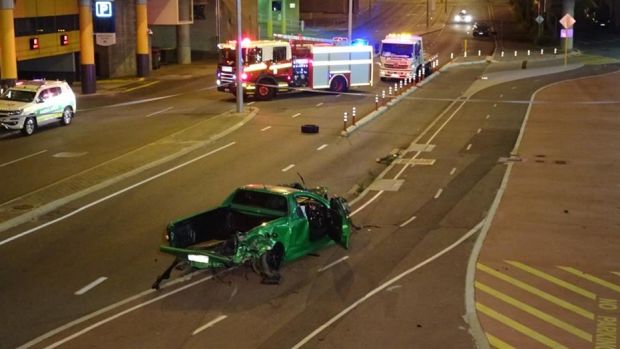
(353,116)
(376,102)
(345,117)
(390,91)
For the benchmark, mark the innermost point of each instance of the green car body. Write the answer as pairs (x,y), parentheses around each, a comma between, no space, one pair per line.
(260,224)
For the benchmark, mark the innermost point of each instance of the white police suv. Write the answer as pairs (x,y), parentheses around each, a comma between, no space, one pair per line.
(30,104)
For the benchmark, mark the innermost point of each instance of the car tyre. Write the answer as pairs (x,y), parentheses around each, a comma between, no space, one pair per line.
(67,116)
(309,128)
(268,264)
(29,126)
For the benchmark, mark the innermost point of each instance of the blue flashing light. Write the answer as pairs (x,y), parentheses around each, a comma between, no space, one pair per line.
(359,42)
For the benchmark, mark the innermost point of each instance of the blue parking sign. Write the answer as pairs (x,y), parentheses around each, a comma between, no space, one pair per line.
(103,9)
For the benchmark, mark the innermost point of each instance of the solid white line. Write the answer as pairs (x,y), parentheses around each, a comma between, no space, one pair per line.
(265,128)
(159,112)
(452,171)
(366,203)
(322,147)
(333,263)
(469,146)
(90,286)
(319,104)
(438,194)
(288,167)
(479,130)
(408,221)
(23,158)
(209,324)
(250,103)
(296,115)
(386,285)
(115,194)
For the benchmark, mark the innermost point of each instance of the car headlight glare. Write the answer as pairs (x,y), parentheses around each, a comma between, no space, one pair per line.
(15,112)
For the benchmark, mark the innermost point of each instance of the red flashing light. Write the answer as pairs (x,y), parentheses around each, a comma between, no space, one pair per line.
(64,39)
(34,43)
(244,76)
(245,41)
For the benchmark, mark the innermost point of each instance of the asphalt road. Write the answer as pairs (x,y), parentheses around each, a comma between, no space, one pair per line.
(117,239)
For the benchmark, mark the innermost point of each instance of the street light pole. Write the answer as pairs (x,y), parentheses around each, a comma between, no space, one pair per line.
(350,19)
(239,64)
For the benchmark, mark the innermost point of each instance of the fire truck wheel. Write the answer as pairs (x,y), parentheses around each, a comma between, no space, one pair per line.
(309,128)
(338,84)
(264,92)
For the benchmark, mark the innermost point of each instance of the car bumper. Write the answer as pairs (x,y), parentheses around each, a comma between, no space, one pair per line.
(12,124)
(395,74)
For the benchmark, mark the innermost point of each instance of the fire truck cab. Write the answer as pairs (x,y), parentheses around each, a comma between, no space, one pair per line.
(276,66)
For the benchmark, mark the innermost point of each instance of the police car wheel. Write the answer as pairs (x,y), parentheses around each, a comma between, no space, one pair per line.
(67,116)
(309,128)
(29,126)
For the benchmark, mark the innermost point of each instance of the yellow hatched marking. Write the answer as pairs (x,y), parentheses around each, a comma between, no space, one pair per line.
(592,278)
(535,312)
(498,343)
(553,279)
(616,273)
(539,337)
(542,294)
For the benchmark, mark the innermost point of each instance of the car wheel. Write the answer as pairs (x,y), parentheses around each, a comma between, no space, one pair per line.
(268,264)
(29,126)
(310,128)
(383,79)
(338,84)
(264,92)
(67,116)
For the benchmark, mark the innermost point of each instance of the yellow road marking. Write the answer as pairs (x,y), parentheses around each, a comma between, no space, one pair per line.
(535,312)
(539,337)
(592,278)
(616,273)
(498,343)
(142,86)
(542,294)
(553,279)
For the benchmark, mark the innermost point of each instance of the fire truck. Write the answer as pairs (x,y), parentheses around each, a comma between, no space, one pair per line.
(293,62)
(402,56)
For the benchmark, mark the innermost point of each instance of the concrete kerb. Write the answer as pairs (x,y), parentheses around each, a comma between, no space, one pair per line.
(48,207)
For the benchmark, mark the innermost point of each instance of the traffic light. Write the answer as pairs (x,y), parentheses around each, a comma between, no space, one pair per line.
(34,43)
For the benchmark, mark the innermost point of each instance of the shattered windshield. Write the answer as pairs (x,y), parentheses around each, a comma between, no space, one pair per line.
(396,50)
(262,200)
(18,95)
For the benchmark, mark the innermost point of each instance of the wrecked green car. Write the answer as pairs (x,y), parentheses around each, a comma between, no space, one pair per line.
(259,225)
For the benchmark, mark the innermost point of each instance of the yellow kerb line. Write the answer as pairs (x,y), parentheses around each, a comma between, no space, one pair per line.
(535,312)
(616,273)
(592,278)
(141,86)
(553,279)
(539,337)
(542,294)
(498,343)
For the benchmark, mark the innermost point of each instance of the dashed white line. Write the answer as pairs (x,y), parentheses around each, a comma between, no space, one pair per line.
(265,128)
(453,171)
(250,103)
(296,115)
(501,95)
(333,263)
(90,286)
(288,167)
(469,146)
(408,221)
(209,324)
(319,104)
(159,112)
(322,147)
(488,116)
(23,158)
(513,88)
(438,194)
(494,105)
(479,130)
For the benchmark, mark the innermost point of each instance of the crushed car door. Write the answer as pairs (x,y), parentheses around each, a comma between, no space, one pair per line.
(339,228)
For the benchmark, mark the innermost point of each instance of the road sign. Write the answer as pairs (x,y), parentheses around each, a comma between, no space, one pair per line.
(567,21)
(566,33)
(539,19)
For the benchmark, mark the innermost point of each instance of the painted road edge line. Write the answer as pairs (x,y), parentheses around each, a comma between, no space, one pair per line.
(209,324)
(333,263)
(90,286)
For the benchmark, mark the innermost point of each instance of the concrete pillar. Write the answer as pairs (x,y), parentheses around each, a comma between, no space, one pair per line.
(283,23)
(8,59)
(184,49)
(87,48)
(142,40)
(568,6)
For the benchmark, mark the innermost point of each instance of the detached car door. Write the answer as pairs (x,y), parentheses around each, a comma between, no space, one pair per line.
(339,223)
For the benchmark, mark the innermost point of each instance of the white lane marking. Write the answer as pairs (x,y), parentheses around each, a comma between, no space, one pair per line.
(265,128)
(501,95)
(90,286)
(23,158)
(333,263)
(111,318)
(391,288)
(209,324)
(296,115)
(479,130)
(208,88)
(27,232)
(322,147)
(68,154)
(159,112)
(140,101)
(386,285)
(469,146)
(452,171)
(251,103)
(288,167)
(513,88)
(408,221)
(438,194)
(488,116)
(494,105)
(319,104)
(367,203)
